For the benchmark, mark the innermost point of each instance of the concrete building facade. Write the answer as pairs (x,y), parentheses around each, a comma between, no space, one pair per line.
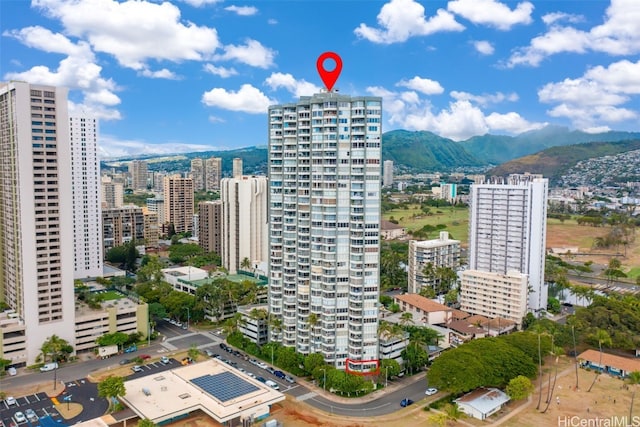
(387,175)
(85,176)
(197,174)
(507,232)
(324,226)
(210,226)
(178,203)
(138,172)
(212,173)
(440,252)
(237,167)
(112,193)
(122,225)
(244,221)
(36,216)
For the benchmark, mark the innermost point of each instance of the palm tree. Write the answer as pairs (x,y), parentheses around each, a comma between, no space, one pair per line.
(110,388)
(602,337)
(633,379)
(313,322)
(245,264)
(275,326)
(406,319)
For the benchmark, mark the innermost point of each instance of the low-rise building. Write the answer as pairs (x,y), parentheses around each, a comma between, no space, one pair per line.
(424,310)
(463,331)
(391,346)
(391,231)
(13,338)
(254,323)
(610,363)
(482,403)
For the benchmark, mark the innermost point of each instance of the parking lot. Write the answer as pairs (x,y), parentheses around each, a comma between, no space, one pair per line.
(40,403)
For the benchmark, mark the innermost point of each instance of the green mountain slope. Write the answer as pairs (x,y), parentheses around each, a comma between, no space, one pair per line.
(554,161)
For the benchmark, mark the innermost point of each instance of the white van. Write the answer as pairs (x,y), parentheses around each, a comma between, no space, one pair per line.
(49,367)
(272,384)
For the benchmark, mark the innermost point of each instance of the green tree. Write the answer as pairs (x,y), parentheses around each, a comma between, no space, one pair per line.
(312,361)
(181,252)
(110,388)
(245,264)
(151,271)
(146,423)
(116,255)
(406,318)
(55,349)
(131,255)
(193,353)
(603,338)
(451,297)
(519,388)
(390,368)
(116,338)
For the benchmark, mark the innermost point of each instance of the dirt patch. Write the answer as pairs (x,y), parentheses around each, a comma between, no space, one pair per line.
(69,410)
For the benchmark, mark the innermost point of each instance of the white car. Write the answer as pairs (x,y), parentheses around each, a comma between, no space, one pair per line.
(11,401)
(431,391)
(263,365)
(19,417)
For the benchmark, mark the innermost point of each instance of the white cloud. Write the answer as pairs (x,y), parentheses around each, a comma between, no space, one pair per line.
(597,98)
(242,10)
(133,31)
(288,82)
(111,147)
(551,18)
(215,119)
(78,71)
(459,121)
(619,34)
(253,53)
(200,3)
(492,12)
(401,19)
(426,86)
(597,129)
(160,74)
(220,71)
(248,99)
(484,47)
(486,98)
(272,21)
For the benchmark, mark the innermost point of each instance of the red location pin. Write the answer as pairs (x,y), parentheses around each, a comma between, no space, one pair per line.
(329,78)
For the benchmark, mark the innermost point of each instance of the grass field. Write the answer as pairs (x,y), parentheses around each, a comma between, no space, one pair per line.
(456,220)
(111,295)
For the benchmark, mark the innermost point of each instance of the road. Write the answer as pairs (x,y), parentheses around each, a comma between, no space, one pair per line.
(176,338)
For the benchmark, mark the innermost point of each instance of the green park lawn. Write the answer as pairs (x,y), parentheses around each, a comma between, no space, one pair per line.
(455,220)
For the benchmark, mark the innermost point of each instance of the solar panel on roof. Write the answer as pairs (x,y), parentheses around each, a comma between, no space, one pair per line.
(224,386)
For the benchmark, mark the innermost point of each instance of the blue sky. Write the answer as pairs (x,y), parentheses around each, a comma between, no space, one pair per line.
(188,75)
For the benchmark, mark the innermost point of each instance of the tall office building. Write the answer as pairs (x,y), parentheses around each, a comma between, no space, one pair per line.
(324,226)
(85,176)
(244,221)
(212,173)
(387,175)
(178,203)
(508,225)
(197,173)
(112,193)
(210,226)
(36,216)
(138,174)
(237,167)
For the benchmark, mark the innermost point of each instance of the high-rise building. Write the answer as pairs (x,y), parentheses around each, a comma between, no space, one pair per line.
(448,192)
(85,178)
(112,193)
(244,221)
(197,173)
(441,252)
(151,228)
(178,203)
(508,224)
(122,225)
(324,226)
(210,226)
(212,173)
(237,167)
(387,176)
(36,216)
(138,173)
(156,204)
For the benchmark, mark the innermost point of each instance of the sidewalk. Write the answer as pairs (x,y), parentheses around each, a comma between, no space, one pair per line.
(393,386)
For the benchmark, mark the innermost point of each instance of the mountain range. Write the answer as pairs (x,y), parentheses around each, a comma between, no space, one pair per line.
(422,151)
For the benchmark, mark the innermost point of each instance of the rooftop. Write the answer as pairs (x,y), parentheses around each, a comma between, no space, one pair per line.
(484,400)
(424,304)
(626,364)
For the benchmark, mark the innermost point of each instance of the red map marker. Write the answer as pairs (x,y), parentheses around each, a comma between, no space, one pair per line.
(329,78)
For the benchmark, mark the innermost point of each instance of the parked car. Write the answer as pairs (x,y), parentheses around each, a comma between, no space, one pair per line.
(251,374)
(406,402)
(136,368)
(12,371)
(261,379)
(131,349)
(165,360)
(49,367)
(208,353)
(271,370)
(144,357)
(31,414)
(431,391)
(262,365)
(272,384)
(125,361)
(10,401)
(186,361)
(289,379)
(19,417)
(279,374)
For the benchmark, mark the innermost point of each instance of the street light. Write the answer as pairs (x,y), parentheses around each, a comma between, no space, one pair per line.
(188,316)
(324,378)
(386,376)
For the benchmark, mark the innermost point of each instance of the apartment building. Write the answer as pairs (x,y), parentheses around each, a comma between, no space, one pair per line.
(212,173)
(178,203)
(156,204)
(440,252)
(138,172)
(197,174)
(387,175)
(112,193)
(244,221)
(151,228)
(85,176)
(254,324)
(36,217)
(122,225)
(324,219)
(508,225)
(237,167)
(495,294)
(210,226)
